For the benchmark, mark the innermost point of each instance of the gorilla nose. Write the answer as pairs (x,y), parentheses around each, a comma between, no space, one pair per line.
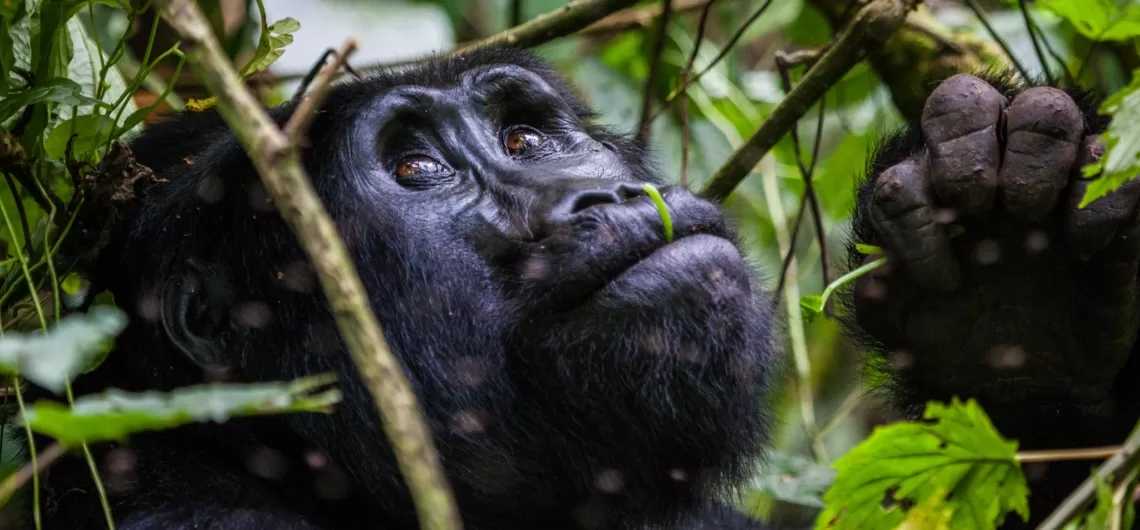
(611,193)
(562,204)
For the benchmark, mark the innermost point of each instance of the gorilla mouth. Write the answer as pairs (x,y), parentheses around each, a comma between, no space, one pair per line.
(696,258)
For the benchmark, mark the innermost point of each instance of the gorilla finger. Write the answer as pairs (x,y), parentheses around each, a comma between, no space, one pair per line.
(1043,131)
(960,122)
(1090,229)
(907,224)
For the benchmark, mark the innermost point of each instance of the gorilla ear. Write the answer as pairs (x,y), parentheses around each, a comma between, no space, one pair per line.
(196,304)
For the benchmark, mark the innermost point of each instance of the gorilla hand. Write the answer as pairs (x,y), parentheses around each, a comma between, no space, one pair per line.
(1034,304)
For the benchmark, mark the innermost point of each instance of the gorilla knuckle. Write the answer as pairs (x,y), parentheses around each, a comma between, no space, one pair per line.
(1047,111)
(961,105)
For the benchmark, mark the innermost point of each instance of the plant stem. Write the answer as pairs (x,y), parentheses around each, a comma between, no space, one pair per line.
(279,165)
(1113,471)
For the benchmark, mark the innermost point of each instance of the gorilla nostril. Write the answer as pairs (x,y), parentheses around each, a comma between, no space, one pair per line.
(591,198)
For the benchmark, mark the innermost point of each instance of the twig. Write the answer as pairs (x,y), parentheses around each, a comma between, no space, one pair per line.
(1113,471)
(1036,45)
(278,162)
(684,106)
(299,122)
(870,28)
(728,46)
(316,69)
(807,171)
(16,480)
(640,17)
(549,26)
(1061,455)
(516,12)
(981,16)
(1035,29)
(654,70)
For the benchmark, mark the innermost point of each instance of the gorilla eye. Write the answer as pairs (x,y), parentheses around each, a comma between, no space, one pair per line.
(522,142)
(419,165)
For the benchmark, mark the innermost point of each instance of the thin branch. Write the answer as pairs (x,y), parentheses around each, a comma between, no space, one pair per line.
(1035,29)
(549,26)
(278,162)
(728,46)
(1036,45)
(1113,471)
(299,122)
(16,480)
(654,70)
(1062,455)
(516,12)
(807,171)
(684,106)
(870,28)
(307,81)
(981,16)
(640,17)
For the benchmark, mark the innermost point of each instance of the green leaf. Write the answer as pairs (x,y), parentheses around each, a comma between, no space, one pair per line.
(872,250)
(274,38)
(1098,19)
(811,305)
(67,350)
(793,479)
(115,414)
(934,514)
(58,90)
(71,283)
(958,452)
(662,210)
(1121,160)
(92,131)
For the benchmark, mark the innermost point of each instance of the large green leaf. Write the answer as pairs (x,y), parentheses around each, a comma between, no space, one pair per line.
(90,130)
(1099,19)
(115,414)
(957,453)
(1121,160)
(58,90)
(51,360)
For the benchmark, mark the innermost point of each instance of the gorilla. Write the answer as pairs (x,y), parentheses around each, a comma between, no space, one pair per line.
(578,370)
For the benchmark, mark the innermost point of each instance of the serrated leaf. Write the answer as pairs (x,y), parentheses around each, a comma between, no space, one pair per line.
(115,414)
(58,90)
(959,452)
(1098,19)
(934,514)
(53,359)
(1121,160)
(793,479)
(91,131)
(274,38)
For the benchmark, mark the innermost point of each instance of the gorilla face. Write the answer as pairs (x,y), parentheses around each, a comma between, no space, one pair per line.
(572,362)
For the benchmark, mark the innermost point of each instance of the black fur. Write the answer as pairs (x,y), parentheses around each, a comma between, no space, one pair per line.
(562,393)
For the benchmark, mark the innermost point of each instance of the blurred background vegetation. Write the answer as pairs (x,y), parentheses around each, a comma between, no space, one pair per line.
(829,407)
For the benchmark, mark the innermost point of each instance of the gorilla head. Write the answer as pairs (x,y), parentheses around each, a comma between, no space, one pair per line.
(577,369)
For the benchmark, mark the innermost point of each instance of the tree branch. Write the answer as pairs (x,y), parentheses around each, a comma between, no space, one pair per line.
(1113,471)
(303,116)
(549,26)
(640,17)
(654,70)
(918,55)
(278,162)
(869,29)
